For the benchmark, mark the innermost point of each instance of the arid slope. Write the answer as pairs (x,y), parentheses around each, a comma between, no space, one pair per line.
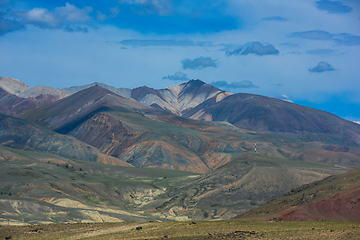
(336,198)
(240,185)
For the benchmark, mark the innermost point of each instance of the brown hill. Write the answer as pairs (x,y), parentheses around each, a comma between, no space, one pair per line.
(259,113)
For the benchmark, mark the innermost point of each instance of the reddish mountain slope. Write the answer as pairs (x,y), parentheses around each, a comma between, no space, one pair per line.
(341,207)
(336,198)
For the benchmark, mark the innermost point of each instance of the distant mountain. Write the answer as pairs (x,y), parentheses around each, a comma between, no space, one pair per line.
(11,104)
(200,101)
(63,113)
(150,137)
(43,90)
(18,88)
(176,99)
(264,114)
(335,198)
(16,96)
(179,99)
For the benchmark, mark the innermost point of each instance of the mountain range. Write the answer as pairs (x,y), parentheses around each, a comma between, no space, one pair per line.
(208,134)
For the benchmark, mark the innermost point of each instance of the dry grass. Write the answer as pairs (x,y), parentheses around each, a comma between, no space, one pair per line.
(187,230)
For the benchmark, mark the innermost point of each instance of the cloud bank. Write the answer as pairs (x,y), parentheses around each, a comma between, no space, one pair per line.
(345,39)
(242,84)
(7,26)
(255,48)
(199,63)
(322,67)
(321,52)
(275,18)
(167,43)
(333,7)
(160,7)
(171,17)
(178,76)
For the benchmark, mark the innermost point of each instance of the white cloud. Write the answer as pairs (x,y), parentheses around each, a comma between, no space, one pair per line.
(114,11)
(235,85)
(322,67)
(60,17)
(161,7)
(101,17)
(333,7)
(40,16)
(72,14)
(199,63)
(178,76)
(254,48)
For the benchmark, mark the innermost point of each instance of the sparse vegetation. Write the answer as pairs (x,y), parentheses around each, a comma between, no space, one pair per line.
(187,230)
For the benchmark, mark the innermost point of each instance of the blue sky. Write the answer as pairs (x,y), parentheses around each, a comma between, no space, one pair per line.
(305,51)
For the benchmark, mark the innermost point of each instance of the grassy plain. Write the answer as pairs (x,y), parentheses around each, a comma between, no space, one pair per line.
(187,230)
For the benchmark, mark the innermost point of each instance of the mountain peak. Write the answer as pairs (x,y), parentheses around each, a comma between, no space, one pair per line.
(195,83)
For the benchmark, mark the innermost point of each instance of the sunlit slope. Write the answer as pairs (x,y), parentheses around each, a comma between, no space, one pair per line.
(46,188)
(240,185)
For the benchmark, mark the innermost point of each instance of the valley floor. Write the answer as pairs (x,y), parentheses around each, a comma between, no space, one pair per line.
(187,230)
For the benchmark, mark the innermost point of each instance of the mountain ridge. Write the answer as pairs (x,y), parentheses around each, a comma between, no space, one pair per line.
(147,136)
(260,113)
